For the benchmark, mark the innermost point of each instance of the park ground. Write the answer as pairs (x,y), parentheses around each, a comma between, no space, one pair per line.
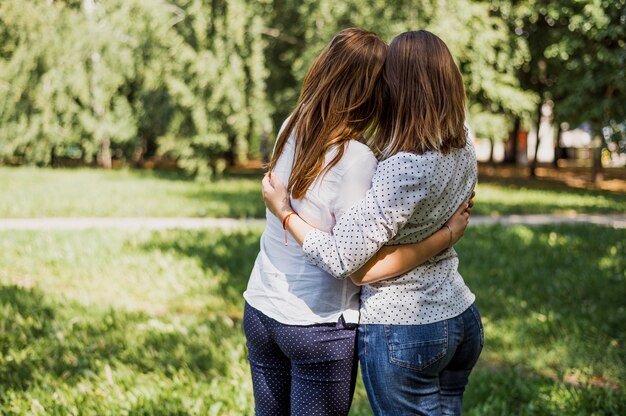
(148,322)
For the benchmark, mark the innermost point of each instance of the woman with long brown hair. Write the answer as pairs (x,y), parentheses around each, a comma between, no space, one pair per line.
(420,334)
(299,321)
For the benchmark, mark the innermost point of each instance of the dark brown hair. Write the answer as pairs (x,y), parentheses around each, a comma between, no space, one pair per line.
(339,101)
(424,97)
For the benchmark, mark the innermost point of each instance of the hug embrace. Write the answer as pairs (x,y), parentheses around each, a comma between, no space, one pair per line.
(368,189)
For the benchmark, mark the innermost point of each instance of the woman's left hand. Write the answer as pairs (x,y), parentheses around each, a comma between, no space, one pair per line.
(459,220)
(276,196)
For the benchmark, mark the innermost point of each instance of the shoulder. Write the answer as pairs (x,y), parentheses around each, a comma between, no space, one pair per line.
(357,156)
(291,138)
(409,164)
(358,150)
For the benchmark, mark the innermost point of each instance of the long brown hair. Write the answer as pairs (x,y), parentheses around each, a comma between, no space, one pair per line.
(339,102)
(424,96)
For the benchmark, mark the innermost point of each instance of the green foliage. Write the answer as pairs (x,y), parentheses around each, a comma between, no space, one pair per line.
(592,57)
(218,86)
(115,78)
(576,56)
(488,54)
(207,82)
(158,331)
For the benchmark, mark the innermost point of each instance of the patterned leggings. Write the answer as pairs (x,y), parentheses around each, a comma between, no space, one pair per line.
(300,370)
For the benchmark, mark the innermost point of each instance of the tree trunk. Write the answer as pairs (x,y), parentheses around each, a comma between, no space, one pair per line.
(139,152)
(557,145)
(533,164)
(53,158)
(596,171)
(491,146)
(510,156)
(231,153)
(104,157)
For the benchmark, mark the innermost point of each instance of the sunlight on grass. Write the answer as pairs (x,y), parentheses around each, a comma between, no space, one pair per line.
(500,199)
(552,302)
(110,322)
(32,193)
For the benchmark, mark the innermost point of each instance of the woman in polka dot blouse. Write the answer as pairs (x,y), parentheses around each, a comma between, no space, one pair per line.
(299,321)
(420,333)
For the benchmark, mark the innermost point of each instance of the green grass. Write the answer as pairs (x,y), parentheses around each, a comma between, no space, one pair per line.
(32,193)
(149,323)
(552,300)
(528,197)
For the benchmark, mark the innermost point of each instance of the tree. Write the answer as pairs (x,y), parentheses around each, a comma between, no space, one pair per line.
(217,84)
(591,85)
(488,54)
(576,59)
(130,79)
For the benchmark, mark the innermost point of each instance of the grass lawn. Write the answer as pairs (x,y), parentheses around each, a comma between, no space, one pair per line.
(149,323)
(32,193)
(528,197)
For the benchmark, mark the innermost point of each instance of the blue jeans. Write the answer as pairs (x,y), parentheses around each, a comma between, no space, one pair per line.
(420,369)
(300,370)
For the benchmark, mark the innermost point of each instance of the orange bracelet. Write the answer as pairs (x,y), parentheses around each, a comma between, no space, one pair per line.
(285,219)
(285,223)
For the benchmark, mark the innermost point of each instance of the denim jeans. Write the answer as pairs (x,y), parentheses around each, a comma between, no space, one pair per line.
(420,369)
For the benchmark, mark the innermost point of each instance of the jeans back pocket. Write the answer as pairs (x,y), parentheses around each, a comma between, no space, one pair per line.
(417,346)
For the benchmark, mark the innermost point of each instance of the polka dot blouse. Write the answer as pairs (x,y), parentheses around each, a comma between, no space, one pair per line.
(412,196)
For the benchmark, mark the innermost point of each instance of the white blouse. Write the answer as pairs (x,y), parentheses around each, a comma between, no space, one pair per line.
(283,285)
(412,196)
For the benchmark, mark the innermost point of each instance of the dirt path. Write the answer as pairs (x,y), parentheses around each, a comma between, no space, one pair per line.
(614,221)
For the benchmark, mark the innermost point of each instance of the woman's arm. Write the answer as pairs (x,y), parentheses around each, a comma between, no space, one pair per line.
(390,261)
(393,261)
(403,185)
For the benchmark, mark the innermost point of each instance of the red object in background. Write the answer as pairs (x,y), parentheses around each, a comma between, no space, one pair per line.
(522,146)
(518,155)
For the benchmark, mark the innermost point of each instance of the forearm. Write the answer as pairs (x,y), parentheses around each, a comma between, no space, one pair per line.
(297,227)
(393,261)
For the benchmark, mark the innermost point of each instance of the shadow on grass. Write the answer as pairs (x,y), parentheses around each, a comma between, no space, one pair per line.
(165,174)
(43,338)
(236,195)
(552,301)
(230,256)
(572,270)
(236,203)
(514,391)
(181,175)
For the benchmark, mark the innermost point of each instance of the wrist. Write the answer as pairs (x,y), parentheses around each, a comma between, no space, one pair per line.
(286,217)
(284,214)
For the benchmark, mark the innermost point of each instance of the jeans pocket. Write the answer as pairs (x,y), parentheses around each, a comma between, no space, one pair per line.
(417,347)
(479,322)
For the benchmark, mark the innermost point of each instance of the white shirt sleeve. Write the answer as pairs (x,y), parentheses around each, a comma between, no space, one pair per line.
(400,186)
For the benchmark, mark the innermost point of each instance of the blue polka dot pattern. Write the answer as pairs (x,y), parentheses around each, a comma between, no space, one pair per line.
(300,370)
